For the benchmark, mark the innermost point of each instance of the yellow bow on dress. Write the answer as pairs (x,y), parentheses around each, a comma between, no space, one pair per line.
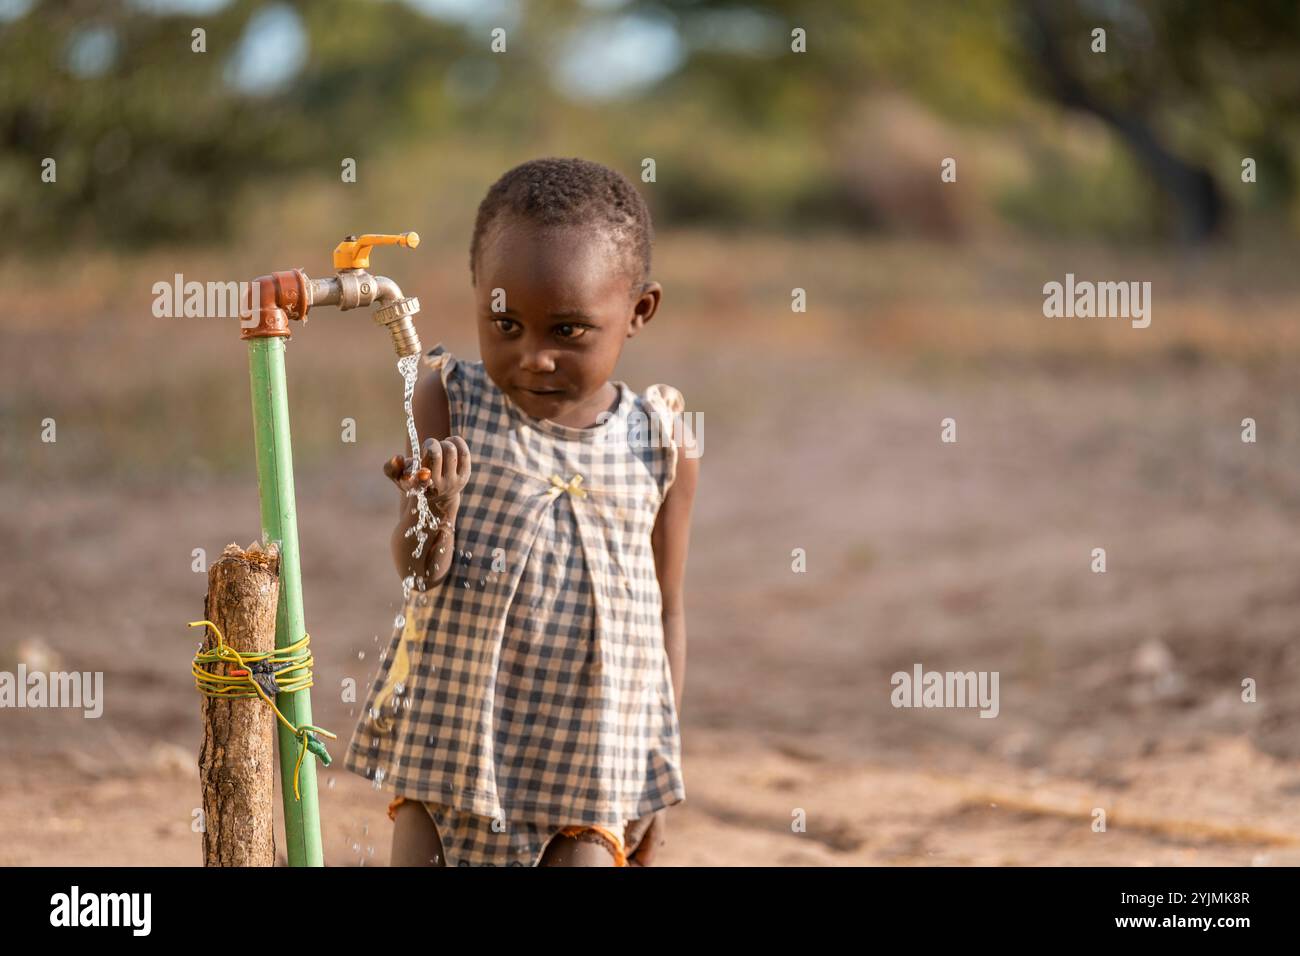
(559,486)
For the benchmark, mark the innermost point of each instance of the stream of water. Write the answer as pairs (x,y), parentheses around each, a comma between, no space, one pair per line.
(409,368)
(426,521)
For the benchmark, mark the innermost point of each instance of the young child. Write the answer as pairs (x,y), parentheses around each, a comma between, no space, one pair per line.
(526,710)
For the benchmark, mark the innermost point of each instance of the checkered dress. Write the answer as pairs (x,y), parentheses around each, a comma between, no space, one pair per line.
(538,688)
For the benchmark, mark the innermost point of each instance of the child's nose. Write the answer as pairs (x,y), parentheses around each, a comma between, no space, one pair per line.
(537,362)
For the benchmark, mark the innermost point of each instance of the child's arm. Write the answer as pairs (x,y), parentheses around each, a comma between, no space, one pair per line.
(447,459)
(670,538)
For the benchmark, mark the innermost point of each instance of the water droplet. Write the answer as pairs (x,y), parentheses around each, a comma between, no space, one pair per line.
(331,783)
(399,621)
(361,655)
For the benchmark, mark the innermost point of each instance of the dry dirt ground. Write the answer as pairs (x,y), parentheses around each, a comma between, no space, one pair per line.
(1119,692)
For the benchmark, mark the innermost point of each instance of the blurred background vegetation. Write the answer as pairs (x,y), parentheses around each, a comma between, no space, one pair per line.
(158,143)
(774,169)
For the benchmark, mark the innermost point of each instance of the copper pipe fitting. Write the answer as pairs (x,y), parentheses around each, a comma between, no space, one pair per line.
(280,296)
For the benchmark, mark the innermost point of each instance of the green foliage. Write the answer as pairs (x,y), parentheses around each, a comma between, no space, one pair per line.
(159,146)
(1106,198)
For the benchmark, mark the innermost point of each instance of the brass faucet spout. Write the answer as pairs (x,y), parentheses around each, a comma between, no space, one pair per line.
(356,288)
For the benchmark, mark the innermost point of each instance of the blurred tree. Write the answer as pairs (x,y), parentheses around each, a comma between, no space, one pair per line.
(1187,87)
(153,141)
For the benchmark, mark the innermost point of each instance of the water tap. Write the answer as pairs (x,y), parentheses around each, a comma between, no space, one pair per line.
(289,295)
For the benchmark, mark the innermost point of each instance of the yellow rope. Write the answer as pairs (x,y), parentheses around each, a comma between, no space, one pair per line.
(293,675)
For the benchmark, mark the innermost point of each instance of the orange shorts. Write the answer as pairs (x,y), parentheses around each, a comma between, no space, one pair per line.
(610,838)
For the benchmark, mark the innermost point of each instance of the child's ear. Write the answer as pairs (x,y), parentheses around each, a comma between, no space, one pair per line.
(645,307)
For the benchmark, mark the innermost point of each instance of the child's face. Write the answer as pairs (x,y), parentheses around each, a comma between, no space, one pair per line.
(551,337)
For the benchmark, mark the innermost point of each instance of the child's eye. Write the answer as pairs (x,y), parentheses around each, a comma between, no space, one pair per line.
(505,325)
(571,331)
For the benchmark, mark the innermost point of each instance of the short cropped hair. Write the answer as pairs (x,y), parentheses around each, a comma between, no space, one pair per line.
(572,192)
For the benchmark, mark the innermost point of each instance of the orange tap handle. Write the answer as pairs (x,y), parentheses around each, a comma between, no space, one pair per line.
(354,251)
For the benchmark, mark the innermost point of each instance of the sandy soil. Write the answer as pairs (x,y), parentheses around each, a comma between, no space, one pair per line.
(1119,691)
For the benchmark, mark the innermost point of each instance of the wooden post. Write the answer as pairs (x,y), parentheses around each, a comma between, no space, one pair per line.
(237,764)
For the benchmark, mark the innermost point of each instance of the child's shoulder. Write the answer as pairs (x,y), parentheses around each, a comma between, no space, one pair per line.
(439,358)
(663,399)
(664,407)
(450,368)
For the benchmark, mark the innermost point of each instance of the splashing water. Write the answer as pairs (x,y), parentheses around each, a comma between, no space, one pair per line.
(409,368)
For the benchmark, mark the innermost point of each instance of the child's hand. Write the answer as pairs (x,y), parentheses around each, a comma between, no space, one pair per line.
(442,473)
(643,838)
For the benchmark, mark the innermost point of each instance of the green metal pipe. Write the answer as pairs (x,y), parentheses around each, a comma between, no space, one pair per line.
(280,524)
